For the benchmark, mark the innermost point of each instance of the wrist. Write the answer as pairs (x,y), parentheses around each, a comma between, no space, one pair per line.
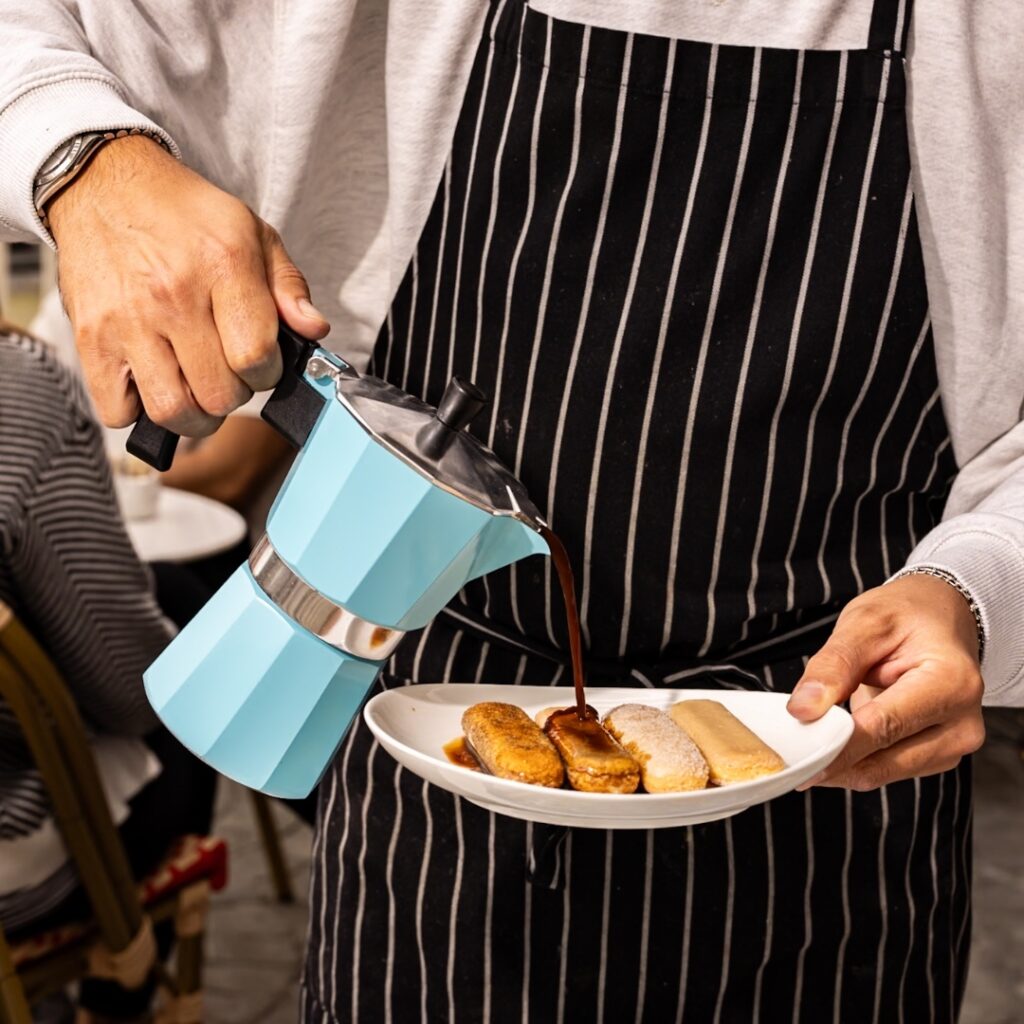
(969,615)
(107,170)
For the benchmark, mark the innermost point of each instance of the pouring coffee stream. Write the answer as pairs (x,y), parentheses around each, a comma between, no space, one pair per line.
(565,577)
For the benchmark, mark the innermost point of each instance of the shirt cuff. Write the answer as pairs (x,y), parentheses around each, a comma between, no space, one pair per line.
(990,566)
(43,118)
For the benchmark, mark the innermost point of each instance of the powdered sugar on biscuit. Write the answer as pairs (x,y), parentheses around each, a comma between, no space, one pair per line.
(669,759)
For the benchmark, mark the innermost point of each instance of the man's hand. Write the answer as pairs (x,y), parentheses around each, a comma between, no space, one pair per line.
(174,289)
(906,655)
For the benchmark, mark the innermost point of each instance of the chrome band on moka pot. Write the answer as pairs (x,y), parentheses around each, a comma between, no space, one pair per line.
(389,509)
(326,619)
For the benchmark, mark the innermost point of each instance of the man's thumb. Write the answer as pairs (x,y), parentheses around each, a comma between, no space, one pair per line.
(831,676)
(290,291)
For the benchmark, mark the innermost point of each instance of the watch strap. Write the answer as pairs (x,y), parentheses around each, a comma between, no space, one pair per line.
(70,158)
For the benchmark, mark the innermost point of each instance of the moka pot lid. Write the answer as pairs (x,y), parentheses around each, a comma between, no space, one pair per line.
(433,441)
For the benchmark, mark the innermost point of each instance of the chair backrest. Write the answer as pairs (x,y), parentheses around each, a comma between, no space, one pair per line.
(56,738)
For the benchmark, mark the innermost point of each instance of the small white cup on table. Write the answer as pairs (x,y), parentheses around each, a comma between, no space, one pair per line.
(137,486)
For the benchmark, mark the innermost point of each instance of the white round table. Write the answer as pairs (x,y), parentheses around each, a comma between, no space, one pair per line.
(186,527)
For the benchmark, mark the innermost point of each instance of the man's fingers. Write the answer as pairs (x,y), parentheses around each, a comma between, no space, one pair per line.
(936,749)
(862,695)
(833,674)
(893,716)
(165,395)
(289,288)
(109,380)
(246,319)
(214,386)
(907,663)
(875,727)
(923,698)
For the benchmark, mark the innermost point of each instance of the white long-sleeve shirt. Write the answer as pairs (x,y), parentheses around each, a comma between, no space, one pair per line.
(333,122)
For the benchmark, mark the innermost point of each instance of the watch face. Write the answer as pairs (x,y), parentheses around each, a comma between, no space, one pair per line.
(64,157)
(55,160)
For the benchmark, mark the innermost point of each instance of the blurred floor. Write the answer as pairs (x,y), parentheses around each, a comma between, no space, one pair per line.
(256,944)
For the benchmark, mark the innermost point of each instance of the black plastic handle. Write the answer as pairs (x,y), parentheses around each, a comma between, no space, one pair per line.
(153,444)
(292,409)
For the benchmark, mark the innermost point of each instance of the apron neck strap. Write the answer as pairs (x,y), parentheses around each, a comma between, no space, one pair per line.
(890,25)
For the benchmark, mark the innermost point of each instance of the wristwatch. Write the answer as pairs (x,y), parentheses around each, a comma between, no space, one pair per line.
(69,159)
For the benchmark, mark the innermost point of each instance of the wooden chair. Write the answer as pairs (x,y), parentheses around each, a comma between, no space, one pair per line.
(13,1004)
(118,942)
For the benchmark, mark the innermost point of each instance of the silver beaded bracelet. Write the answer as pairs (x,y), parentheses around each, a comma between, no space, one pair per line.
(948,577)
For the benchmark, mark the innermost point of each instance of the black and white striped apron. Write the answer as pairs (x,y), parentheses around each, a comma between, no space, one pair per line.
(690,277)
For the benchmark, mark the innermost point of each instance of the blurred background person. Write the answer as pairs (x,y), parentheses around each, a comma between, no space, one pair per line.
(68,571)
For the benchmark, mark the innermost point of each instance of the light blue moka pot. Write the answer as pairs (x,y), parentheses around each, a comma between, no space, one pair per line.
(390,508)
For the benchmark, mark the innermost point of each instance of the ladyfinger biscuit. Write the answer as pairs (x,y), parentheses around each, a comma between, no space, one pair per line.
(732,751)
(669,760)
(594,761)
(509,744)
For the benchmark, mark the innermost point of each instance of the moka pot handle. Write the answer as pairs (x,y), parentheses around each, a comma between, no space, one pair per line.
(291,410)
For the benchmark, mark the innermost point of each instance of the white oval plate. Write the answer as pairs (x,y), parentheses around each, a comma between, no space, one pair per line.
(413,723)
(186,527)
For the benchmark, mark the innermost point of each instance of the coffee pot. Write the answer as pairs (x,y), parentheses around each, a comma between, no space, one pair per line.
(389,509)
